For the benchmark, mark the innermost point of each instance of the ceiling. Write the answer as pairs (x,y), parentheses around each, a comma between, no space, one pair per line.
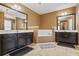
(43,8)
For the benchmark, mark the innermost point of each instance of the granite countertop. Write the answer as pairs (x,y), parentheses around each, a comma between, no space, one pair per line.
(23,31)
(14,31)
(66,30)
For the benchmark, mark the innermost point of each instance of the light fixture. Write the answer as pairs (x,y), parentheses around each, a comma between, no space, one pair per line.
(17,7)
(65,13)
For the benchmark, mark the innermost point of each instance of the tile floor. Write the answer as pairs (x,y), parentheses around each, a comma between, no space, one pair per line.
(54,51)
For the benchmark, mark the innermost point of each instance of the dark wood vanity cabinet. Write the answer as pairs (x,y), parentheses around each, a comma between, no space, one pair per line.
(13,41)
(29,38)
(67,37)
(9,42)
(21,39)
(25,39)
(0,44)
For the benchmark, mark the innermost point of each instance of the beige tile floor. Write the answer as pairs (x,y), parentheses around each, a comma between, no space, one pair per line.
(56,51)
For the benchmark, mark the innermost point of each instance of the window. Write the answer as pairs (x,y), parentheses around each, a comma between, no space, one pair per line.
(7,24)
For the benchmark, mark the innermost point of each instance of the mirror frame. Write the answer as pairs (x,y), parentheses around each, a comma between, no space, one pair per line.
(19,12)
(68,15)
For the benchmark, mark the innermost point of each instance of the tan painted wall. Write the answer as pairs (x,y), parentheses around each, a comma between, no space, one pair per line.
(49,20)
(1,20)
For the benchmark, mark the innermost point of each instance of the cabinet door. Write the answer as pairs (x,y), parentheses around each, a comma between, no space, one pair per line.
(60,36)
(9,42)
(0,44)
(24,39)
(21,39)
(29,38)
(73,38)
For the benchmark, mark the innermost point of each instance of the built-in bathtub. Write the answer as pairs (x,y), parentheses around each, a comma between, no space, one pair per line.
(44,36)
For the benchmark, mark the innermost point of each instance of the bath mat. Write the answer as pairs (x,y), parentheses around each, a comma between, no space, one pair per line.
(21,52)
(46,46)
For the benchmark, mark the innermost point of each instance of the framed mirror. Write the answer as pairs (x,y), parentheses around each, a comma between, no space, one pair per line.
(66,22)
(13,19)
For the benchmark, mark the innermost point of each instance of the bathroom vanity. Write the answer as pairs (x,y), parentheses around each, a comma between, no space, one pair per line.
(67,36)
(14,40)
(66,29)
(13,30)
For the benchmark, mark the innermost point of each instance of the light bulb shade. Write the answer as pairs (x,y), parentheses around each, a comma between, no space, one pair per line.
(17,7)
